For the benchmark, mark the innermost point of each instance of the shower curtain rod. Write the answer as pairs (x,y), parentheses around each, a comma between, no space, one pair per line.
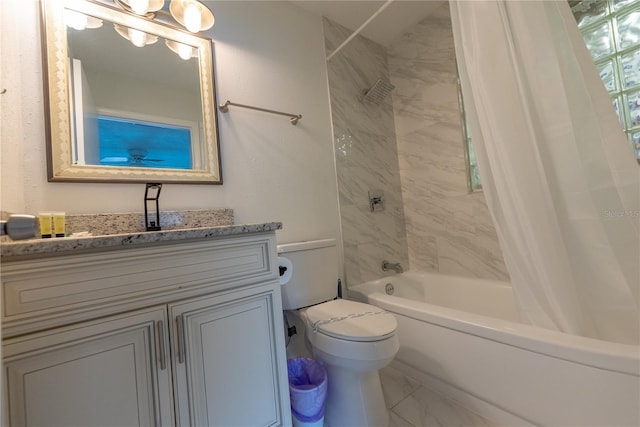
(360,28)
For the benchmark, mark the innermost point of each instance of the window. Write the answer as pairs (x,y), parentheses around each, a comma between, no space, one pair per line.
(611,30)
(473,174)
(137,143)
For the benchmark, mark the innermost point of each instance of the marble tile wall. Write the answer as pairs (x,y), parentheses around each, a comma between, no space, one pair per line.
(366,157)
(410,147)
(448,229)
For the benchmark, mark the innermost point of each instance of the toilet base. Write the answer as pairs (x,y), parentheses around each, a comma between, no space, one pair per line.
(354,399)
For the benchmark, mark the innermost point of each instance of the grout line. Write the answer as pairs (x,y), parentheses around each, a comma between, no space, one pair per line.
(402,400)
(403,418)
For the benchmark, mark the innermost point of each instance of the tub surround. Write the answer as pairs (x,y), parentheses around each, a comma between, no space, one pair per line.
(366,157)
(410,147)
(449,230)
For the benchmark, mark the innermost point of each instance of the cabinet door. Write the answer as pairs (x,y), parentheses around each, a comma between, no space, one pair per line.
(112,372)
(228,363)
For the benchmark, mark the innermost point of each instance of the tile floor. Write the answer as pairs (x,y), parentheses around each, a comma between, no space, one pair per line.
(413,405)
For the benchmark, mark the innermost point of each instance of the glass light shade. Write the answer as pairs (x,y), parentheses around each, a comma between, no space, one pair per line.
(184,51)
(75,20)
(192,14)
(80,21)
(141,7)
(136,37)
(192,18)
(93,22)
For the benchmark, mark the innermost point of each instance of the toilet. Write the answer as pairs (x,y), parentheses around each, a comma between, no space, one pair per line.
(352,340)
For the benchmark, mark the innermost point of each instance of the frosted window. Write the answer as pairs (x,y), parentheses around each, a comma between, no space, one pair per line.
(598,40)
(611,31)
(473,174)
(608,75)
(631,69)
(629,30)
(617,107)
(589,12)
(633,104)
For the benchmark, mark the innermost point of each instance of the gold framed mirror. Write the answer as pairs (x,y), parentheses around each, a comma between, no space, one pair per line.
(127,98)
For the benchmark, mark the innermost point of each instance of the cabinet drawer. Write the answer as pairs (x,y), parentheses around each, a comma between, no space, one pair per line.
(95,281)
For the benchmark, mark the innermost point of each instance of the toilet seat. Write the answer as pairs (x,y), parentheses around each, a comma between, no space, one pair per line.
(351,321)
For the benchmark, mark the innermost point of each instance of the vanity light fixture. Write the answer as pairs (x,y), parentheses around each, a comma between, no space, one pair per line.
(184,51)
(146,8)
(80,21)
(191,14)
(136,37)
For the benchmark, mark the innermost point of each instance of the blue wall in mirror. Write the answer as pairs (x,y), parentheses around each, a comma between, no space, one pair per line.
(127,142)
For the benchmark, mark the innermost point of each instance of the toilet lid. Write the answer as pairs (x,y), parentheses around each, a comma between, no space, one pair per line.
(352,321)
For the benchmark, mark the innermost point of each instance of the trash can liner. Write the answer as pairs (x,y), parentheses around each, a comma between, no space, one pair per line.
(307,389)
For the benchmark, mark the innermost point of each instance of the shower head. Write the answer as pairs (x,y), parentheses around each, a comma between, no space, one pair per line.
(380,89)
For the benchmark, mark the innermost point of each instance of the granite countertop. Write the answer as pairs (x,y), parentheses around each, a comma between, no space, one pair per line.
(37,248)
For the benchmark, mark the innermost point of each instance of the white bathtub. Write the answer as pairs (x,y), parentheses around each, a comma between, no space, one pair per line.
(463,337)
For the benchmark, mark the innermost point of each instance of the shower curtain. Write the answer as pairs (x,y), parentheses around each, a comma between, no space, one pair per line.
(559,177)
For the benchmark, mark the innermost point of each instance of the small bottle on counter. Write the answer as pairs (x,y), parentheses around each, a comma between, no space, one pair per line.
(59,226)
(45,225)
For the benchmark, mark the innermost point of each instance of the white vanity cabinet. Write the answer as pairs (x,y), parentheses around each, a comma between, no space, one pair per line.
(237,331)
(90,374)
(186,334)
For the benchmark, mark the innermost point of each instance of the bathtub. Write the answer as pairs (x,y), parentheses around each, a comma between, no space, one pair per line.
(462,337)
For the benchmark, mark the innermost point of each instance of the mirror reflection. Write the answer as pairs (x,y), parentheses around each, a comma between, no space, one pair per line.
(137,97)
(140,98)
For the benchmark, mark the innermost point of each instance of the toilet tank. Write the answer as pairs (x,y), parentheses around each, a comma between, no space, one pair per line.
(314,277)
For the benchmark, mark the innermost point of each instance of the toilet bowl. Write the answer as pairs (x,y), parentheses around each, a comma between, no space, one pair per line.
(352,341)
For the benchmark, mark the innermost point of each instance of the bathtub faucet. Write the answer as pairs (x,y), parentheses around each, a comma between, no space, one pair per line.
(386,265)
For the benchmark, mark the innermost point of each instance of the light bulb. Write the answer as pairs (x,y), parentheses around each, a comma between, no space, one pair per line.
(184,51)
(192,18)
(137,37)
(140,7)
(76,20)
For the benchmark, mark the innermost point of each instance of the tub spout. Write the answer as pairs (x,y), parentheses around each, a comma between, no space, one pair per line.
(386,265)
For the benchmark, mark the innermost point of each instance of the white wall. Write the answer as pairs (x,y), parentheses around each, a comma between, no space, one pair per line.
(268,54)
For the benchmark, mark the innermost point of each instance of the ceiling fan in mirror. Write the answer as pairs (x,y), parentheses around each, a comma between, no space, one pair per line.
(137,158)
